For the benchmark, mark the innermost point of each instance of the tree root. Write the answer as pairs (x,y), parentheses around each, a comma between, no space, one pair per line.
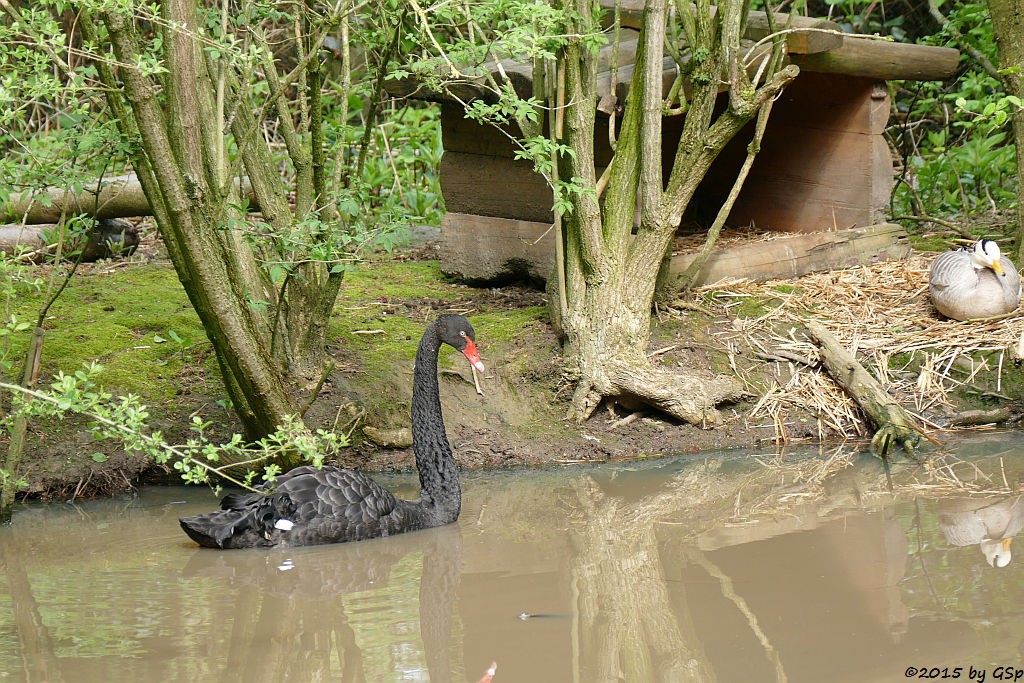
(679,393)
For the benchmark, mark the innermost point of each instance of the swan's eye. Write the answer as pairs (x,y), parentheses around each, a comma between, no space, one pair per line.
(462,333)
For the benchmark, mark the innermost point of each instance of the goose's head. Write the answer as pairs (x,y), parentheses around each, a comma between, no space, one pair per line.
(985,254)
(997,551)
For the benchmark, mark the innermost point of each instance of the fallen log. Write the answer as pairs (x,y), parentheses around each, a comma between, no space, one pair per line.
(35,242)
(115,197)
(967,418)
(892,423)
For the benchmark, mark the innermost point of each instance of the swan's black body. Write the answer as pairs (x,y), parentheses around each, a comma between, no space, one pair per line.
(311,506)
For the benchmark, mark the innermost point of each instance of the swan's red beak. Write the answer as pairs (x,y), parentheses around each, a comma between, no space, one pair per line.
(474,357)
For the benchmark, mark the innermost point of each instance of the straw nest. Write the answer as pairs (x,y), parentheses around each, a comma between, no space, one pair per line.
(882,313)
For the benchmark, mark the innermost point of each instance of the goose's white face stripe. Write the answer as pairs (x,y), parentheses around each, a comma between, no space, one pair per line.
(986,254)
(284,524)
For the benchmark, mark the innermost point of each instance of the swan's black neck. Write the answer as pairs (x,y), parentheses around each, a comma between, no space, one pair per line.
(439,475)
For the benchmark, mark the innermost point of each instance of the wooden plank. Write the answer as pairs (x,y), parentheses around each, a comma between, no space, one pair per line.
(814,35)
(494,186)
(883,60)
(823,163)
(459,134)
(488,249)
(821,180)
(805,42)
(801,254)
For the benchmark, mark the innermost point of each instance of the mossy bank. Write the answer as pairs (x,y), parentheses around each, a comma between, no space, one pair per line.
(135,320)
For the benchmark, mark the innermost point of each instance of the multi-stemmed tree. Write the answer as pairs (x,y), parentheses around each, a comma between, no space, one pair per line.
(607,265)
(217,102)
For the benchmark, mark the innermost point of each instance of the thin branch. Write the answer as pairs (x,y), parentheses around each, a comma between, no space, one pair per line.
(984,62)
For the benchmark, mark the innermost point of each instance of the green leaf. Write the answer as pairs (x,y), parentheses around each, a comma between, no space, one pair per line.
(99,457)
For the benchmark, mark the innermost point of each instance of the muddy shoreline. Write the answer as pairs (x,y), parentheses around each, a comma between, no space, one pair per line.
(518,421)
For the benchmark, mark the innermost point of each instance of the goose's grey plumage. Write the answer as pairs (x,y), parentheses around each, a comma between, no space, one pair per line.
(991,523)
(975,283)
(310,506)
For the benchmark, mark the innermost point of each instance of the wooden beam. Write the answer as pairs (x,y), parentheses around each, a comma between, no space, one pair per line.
(883,60)
(801,254)
(487,249)
(813,35)
(809,40)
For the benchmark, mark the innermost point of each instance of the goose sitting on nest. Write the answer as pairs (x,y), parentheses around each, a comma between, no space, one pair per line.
(975,283)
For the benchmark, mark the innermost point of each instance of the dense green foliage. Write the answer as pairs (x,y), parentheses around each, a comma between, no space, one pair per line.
(953,137)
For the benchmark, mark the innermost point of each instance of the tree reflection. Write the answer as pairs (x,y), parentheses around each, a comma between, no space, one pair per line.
(35,643)
(626,629)
(808,573)
(290,621)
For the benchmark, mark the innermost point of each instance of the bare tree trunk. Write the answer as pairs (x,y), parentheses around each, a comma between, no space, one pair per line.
(177,175)
(609,274)
(1008,25)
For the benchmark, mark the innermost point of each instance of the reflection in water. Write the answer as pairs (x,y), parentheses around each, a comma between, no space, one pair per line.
(989,523)
(673,570)
(290,605)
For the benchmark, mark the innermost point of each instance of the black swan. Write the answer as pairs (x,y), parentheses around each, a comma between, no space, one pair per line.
(311,506)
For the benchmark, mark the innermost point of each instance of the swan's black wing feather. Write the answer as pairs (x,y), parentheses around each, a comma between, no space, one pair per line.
(325,506)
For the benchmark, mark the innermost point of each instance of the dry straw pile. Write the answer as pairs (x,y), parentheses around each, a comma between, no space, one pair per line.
(878,312)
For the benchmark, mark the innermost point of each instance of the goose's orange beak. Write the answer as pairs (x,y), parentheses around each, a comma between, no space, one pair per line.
(1006,542)
(474,357)
(998,267)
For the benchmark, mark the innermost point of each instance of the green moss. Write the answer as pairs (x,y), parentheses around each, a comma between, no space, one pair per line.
(370,300)
(788,289)
(401,280)
(118,320)
(899,361)
(506,325)
(750,307)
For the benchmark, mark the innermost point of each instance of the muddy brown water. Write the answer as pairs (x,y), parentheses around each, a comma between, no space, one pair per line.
(705,568)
